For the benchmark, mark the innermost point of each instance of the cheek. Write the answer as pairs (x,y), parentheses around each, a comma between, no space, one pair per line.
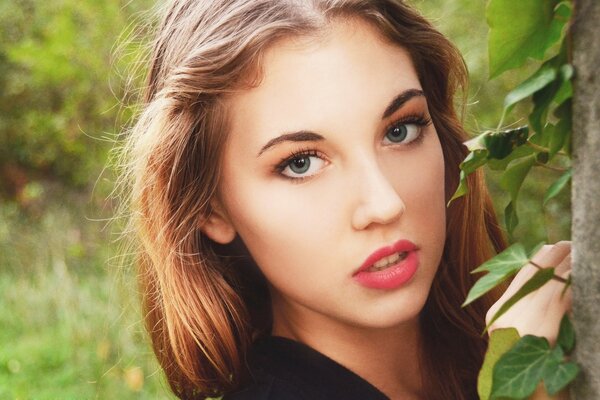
(276,220)
(419,180)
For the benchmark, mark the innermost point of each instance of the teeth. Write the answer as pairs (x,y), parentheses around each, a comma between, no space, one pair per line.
(388,261)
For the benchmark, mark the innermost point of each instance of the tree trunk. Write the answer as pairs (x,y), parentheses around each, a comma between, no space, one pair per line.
(586,197)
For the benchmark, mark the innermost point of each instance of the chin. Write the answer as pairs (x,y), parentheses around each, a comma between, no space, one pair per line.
(393,314)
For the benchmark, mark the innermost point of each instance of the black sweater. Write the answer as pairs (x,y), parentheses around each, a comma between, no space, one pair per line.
(283,369)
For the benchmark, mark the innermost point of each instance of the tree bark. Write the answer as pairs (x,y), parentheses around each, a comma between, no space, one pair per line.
(586,197)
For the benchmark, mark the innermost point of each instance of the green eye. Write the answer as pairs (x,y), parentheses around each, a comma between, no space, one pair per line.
(397,133)
(300,165)
(402,133)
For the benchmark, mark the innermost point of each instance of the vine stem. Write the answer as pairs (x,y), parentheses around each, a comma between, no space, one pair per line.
(555,277)
(557,169)
(545,149)
(537,147)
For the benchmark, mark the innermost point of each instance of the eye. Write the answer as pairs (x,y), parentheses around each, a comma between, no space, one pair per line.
(402,132)
(301,165)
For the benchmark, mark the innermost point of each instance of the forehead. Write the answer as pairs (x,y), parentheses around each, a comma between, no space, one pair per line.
(307,82)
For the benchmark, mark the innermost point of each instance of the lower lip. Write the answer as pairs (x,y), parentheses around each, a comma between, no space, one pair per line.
(393,276)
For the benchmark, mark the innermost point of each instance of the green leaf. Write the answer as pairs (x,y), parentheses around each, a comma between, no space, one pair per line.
(539,279)
(518,152)
(501,340)
(566,89)
(531,360)
(566,334)
(559,377)
(506,260)
(514,176)
(556,92)
(562,135)
(501,144)
(474,160)
(499,268)
(461,190)
(522,29)
(518,372)
(511,219)
(545,75)
(557,186)
(477,142)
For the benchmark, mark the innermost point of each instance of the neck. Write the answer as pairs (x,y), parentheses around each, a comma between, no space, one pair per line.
(388,358)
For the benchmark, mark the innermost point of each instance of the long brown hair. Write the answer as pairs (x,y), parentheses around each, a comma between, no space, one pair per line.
(201,315)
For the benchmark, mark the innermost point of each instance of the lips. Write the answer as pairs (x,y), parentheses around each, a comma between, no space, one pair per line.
(388,261)
(389,267)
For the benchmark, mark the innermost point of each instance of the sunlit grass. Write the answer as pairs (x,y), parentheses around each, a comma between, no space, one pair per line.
(70,326)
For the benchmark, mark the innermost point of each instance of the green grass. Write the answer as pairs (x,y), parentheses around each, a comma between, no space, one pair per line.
(70,326)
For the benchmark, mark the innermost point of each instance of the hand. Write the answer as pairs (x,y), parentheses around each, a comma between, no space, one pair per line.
(539,313)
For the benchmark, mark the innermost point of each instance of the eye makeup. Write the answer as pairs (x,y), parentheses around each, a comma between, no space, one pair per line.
(303,155)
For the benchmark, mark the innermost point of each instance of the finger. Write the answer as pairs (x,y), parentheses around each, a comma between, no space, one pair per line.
(552,255)
(563,269)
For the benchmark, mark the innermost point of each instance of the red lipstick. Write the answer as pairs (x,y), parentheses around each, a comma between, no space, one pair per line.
(389,267)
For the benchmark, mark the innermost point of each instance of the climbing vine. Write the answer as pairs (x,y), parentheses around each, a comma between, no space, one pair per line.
(519,31)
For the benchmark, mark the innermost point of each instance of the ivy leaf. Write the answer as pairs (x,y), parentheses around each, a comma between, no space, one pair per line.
(531,360)
(557,186)
(562,134)
(462,188)
(512,181)
(474,160)
(499,268)
(544,76)
(500,144)
(501,340)
(566,334)
(566,90)
(477,142)
(515,175)
(518,152)
(522,29)
(559,377)
(556,92)
(511,219)
(518,372)
(538,280)
(491,147)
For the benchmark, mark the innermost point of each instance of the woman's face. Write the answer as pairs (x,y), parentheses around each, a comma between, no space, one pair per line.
(330,159)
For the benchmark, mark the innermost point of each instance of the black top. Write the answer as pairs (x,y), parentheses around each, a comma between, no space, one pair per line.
(283,369)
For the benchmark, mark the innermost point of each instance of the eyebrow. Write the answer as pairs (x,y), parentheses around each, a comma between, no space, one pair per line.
(301,136)
(400,100)
(308,136)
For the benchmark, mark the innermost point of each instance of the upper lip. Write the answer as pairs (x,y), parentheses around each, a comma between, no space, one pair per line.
(397,247)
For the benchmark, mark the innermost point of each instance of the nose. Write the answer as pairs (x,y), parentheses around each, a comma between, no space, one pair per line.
(378,201)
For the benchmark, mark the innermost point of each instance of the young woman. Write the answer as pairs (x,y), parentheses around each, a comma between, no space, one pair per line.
(291,169)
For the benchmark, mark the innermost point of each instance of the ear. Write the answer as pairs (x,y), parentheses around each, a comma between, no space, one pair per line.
(218,226)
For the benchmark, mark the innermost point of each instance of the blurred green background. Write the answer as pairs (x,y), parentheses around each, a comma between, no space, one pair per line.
(70,325)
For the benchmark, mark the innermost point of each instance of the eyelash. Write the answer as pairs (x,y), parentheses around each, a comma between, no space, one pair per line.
(420,120)
(283,164)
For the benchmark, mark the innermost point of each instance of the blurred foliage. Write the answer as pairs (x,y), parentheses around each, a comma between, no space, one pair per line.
(69,312)
(58,108)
